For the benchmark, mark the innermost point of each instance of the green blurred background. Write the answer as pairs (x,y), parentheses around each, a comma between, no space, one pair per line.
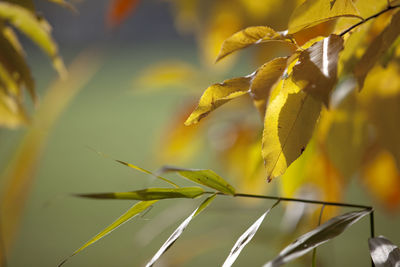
(111,115)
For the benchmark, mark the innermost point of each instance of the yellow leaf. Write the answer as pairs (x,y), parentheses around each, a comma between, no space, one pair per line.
(288,126)
(249,36)
(316,70)
(217,95)
(313,12)
(381,176)
(265,78)
(37,29)
(12,114)
(376,49)
(381,103)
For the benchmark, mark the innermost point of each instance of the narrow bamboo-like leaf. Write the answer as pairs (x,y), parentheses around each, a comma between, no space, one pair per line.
(38,30)
(316,70)
(313,12)
(244,239)
(377,49)
(383,252)
(64,4)
(218,94)
(317,237)
(178,232)
(249,36)
(146,171)
(150,194)
(205,177)
(132,212)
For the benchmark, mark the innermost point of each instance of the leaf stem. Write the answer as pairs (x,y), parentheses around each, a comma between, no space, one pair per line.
(388,8)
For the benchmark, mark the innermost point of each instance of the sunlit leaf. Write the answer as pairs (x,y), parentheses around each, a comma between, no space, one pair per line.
(313,12)
(150,194)
(288,126)
(249,36)
(12,114)
(37,29)
(383,252)
(128,215)
(377,49)
(217,95)
(265,78)
(316,70)
(244,239)
(204,177)
(317,237)
(119,10)
(178,232)
(146,171)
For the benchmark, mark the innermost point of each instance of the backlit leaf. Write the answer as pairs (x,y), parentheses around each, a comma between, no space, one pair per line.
(316,70)
(178,232)
(150,194)
(37,29)
(128,215)
(244,239)
(313,12)
(288,126)
(317,237)
(204,177)
(217,95)
(383,252)
(377,49)
(12,114)
(249,36)
(265,78)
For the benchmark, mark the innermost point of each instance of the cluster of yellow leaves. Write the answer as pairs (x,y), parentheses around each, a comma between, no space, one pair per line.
(15,74)
(353,133)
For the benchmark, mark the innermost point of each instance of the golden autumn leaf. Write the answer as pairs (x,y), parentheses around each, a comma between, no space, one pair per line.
(37,29)
(288,126)
(376,49)
(313,12)
(12,114)
(316,70)
(264,79)
(249,36)
(380,101)
(217,95)
(381,176)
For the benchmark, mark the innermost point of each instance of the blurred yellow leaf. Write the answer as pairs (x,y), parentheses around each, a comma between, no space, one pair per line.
(12,114)
(218,94)
(37,29)
(376,49)
(313,12)
(288,126)
(381,103)
(316,70)
(381,176)
(249,36)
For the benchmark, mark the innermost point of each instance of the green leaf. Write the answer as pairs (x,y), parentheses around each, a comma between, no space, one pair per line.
(132,212)
(37,29)
(383,252)
(313,12)
(204,177)
(218,94)
(146,171)
(150,194)
(317,237)
(178,232)
(244,239)
(249,36)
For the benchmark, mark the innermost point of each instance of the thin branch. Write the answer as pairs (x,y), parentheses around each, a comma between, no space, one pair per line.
(369,18)
(309,201)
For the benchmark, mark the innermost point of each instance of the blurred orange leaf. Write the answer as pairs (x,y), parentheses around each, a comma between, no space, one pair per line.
(119,10)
